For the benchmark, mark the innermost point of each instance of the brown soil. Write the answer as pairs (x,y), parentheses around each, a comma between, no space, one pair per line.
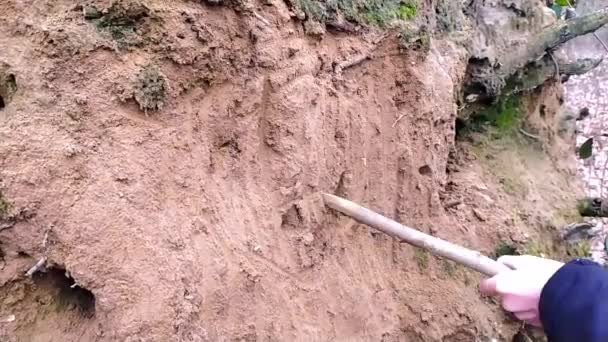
(201,221)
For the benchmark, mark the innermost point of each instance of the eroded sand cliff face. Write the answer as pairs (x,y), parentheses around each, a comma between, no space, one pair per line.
(168,167)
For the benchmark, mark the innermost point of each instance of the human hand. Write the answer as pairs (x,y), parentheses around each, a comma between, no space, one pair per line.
(520,288)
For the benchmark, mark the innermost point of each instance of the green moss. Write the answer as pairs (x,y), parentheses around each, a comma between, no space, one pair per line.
(586,209)
(505,248)
(313,10)
(120,21)
(450,269)
(537,248)
(504,115)
(500,119)
(373,12)
(416,39)
(383,12)
(581,249)
(569,215)
(408,10)
(421,256)
(150,89)
(4,206)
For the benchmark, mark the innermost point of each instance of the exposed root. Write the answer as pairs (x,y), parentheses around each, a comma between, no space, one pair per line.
(39,265)
(529,135)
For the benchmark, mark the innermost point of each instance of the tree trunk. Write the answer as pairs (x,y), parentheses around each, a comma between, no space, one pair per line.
(538,72)
(487,80)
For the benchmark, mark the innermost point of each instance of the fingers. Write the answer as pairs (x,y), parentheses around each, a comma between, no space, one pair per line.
(536,322)
(520,288)
(488,286)
(529,315)
(517,303)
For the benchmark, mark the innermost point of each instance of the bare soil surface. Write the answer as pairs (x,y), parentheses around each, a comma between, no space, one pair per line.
(188,208)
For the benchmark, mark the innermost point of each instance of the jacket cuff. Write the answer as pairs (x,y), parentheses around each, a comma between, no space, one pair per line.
(574,303)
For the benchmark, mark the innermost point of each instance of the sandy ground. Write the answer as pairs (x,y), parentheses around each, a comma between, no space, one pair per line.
(202,221)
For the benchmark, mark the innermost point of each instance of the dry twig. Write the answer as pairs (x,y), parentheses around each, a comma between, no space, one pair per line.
(359,58)
(40,264)
(529,135)
(398,119)
(260,18)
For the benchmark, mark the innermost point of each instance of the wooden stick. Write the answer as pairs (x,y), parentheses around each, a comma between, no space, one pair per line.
(469,258)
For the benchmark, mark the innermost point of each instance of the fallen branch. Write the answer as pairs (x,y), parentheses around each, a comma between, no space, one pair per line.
(538,72)
(488,78)
(594,33)
(359,58)
(552,37)
(575,232)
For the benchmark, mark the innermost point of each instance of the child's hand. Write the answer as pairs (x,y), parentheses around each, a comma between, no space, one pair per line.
(520,288)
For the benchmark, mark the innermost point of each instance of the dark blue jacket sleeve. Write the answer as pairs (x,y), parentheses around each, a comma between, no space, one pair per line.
(574,303)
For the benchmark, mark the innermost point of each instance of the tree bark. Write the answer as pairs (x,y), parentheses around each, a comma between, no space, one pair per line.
(486,80)
(538,72)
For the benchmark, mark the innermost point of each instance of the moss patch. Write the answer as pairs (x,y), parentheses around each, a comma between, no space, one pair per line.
(449,15)
(121,21)
(421,256)
(581,249)
(416,39)
(150,89)
(505,248)
(537,248)
(313,10)
(4,206)
(369,12)
(504,115)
